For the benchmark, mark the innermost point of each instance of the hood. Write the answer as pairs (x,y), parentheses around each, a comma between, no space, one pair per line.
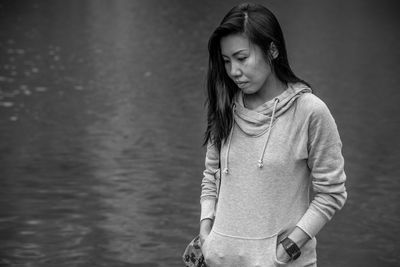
(256,122)
(260,120)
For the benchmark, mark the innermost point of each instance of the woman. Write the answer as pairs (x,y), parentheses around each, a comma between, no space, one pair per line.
(273,141)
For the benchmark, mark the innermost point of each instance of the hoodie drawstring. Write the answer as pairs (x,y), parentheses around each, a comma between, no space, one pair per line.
(261,160)
(226,170)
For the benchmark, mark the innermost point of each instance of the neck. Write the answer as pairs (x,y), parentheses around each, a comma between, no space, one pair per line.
(270,90)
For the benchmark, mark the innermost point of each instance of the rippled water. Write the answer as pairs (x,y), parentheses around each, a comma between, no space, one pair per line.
(101,121)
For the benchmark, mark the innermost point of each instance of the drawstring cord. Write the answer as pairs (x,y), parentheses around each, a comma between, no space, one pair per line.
(261,160)
(226,170)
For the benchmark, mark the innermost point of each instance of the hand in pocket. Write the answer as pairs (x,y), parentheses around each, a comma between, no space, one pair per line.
(281,254)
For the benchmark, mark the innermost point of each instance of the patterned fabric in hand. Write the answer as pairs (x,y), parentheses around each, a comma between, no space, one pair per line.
(193,257)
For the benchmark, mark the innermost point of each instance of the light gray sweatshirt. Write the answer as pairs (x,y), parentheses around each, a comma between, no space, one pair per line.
(274,155)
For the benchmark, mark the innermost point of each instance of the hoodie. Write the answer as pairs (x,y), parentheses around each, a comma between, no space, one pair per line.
(274,155)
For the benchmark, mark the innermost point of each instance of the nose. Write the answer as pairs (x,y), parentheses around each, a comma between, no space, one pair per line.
(235,70)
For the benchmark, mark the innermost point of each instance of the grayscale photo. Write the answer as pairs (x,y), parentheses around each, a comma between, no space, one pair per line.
(150,133)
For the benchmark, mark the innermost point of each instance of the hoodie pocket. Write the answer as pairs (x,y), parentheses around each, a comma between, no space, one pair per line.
(308,255)
(211,249)
(278,262)
(204,245)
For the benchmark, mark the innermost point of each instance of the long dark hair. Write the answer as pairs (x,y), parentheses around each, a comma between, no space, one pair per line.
(261,27)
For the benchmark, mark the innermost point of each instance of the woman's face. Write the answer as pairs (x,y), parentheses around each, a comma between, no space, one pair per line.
(245,63)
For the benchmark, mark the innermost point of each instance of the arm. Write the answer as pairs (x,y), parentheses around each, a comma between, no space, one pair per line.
(326,165)
(205,229)
(208,191)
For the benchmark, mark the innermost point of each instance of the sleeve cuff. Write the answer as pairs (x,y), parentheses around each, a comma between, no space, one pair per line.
(207,209)
(312,222)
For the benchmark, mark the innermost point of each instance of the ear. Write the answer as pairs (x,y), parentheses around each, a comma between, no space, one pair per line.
(273,50)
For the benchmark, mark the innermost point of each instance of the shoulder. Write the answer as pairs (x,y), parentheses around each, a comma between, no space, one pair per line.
(316,113)
(309,104)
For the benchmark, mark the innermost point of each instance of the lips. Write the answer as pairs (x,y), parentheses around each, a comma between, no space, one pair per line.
(241,84)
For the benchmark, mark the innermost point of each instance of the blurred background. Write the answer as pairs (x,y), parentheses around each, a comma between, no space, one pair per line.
(102,121)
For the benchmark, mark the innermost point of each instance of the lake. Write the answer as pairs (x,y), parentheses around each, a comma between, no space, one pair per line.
(102,120)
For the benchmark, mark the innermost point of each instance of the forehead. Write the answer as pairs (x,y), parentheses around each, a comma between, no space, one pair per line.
(233,43)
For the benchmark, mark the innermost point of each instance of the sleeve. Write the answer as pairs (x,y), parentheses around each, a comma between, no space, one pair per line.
(326,165)
(209,185)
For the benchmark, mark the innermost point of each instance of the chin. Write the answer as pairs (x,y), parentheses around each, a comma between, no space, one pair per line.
(249,91)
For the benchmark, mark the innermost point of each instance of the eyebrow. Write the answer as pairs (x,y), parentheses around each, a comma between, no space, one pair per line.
(237,52)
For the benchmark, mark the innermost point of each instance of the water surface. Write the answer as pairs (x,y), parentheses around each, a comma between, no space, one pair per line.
(101,122)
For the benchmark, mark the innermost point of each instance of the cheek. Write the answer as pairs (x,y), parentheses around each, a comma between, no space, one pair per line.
(262,71)
(257,67)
